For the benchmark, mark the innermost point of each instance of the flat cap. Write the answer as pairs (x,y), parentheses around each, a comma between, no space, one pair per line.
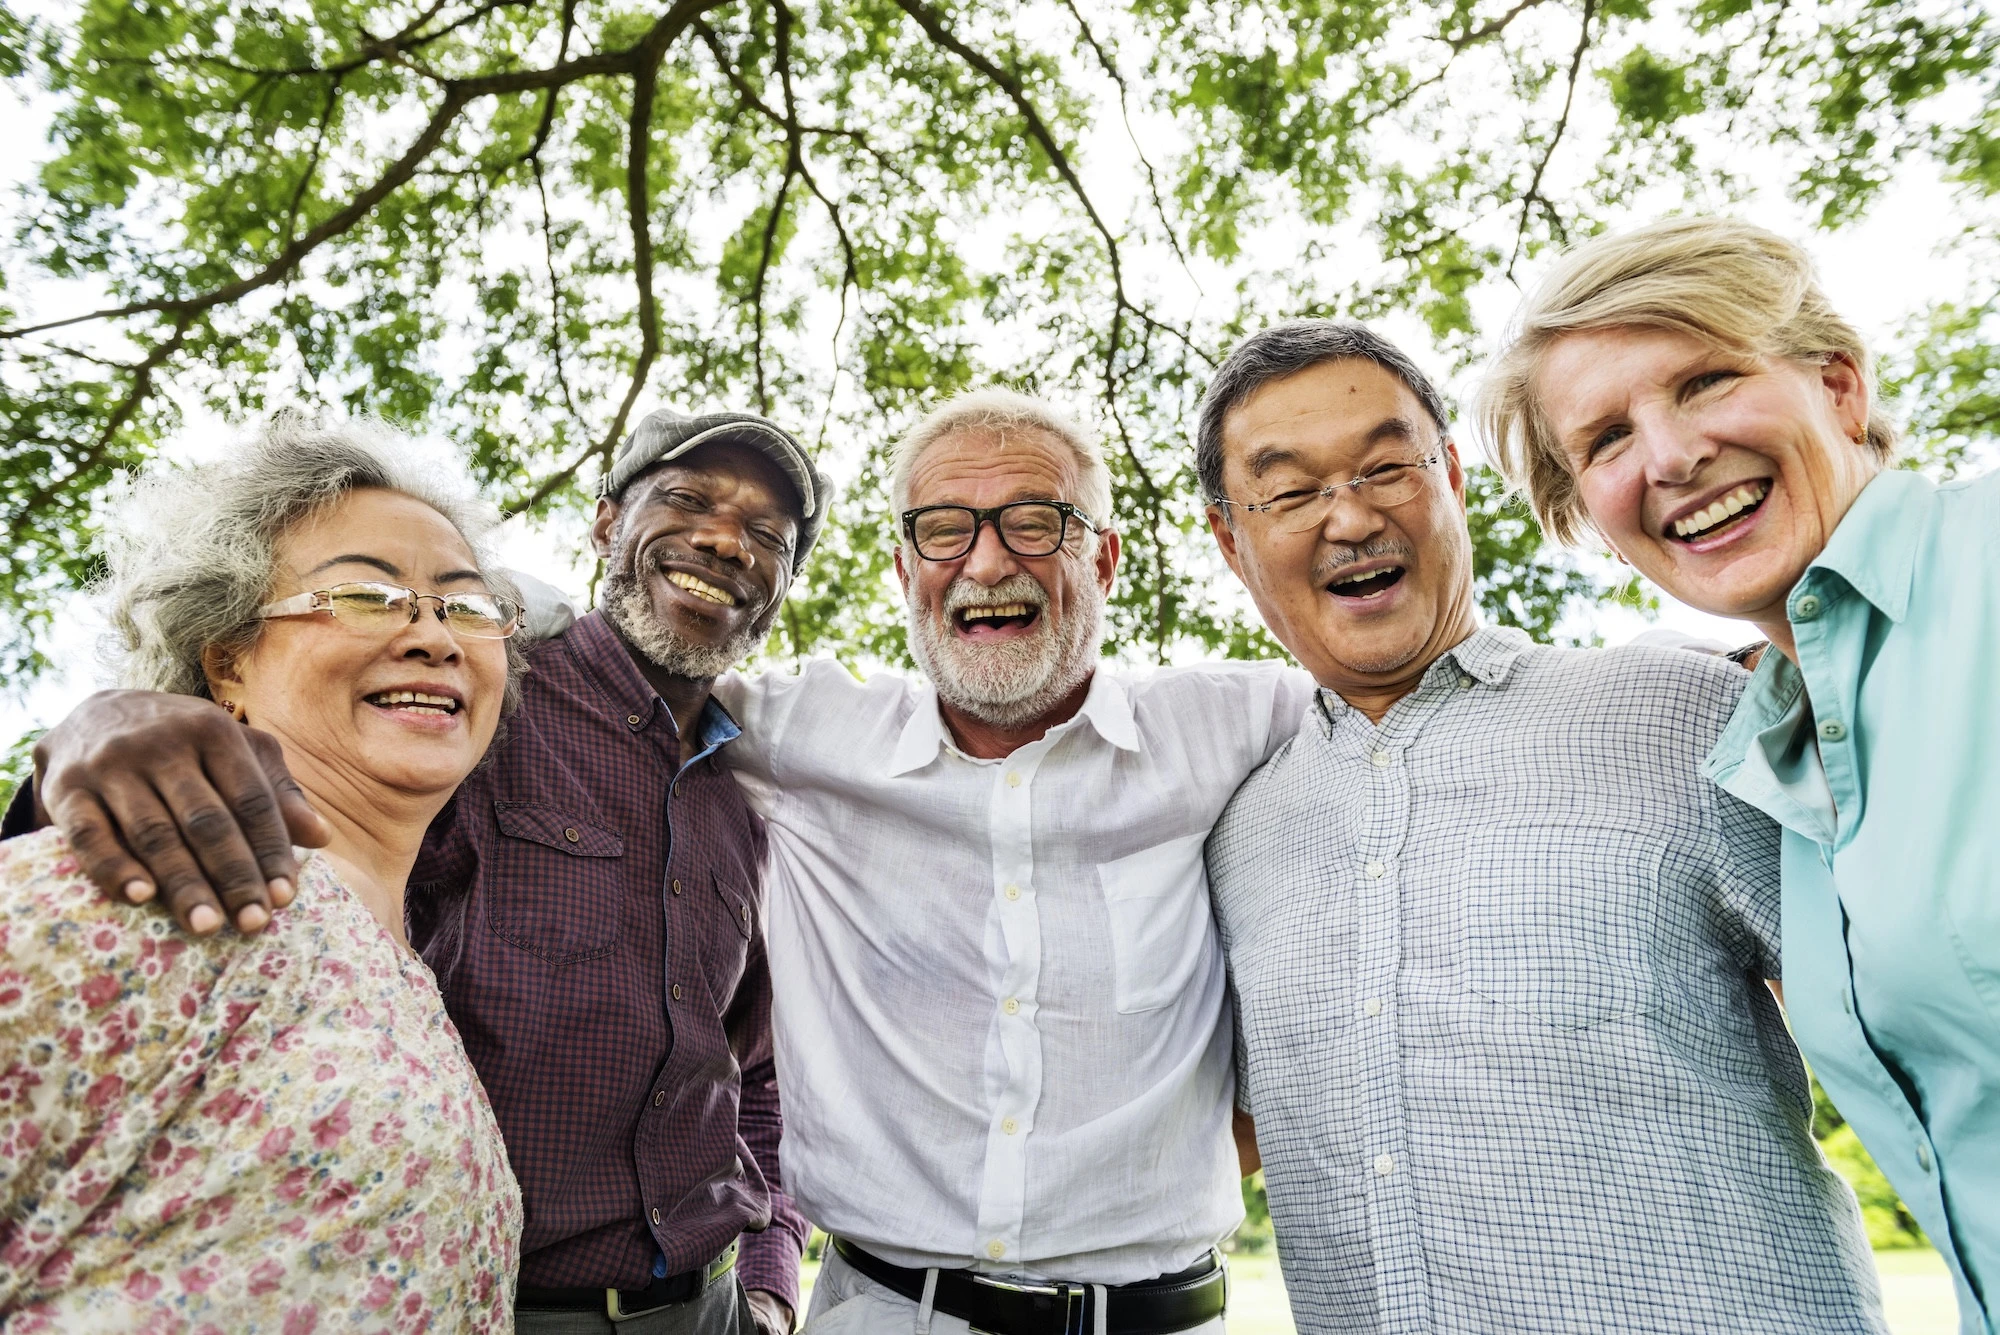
(664,434)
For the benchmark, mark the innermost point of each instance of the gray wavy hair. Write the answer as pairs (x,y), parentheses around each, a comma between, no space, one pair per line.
(1004,413)
(192,552)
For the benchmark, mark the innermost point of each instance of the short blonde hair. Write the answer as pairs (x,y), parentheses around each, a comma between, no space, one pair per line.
(1721,280)
(1004,412)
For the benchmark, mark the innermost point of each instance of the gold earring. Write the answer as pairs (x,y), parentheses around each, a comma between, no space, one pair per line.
(231,708)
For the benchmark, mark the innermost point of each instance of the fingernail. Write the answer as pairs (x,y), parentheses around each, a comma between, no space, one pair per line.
(252,918)
(281,891)
(138,892)
(203,919)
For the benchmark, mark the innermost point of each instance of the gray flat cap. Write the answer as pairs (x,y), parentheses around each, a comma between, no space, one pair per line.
(665,434)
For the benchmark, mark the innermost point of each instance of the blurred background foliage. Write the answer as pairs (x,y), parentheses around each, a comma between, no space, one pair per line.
(517,223)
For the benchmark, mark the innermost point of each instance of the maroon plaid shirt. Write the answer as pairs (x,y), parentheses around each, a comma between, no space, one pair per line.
(590,904)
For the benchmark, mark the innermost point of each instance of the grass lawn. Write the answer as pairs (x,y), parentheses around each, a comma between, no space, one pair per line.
(1915,1289)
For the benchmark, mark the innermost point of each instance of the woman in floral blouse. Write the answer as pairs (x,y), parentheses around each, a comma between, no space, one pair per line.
(277,1132)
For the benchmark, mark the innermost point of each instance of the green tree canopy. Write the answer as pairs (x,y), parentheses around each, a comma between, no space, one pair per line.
(519,222)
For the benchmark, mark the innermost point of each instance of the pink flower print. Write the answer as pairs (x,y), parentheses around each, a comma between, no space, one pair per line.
(328,1130)
(293,1185)
(173,1209)
(13,987)
(285,1039)
(388,1131)
(354,1241)
(419,1165)
(413,1304)
(325,1071)
(100,991)
(141,1285)
(405,1239)
(236,1012)
(380,1293)
(104,939)
(16,1083)
(266,1277)
(449,1251)
(104,1092)
(200,1277)
(225,1106)
(277,1141)
(274,964)
(335,1197)
(54,1272)
(214,1213)
(189,1004)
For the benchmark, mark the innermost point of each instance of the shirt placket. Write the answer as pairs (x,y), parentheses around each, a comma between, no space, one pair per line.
(1400,1283)
(1003,1184)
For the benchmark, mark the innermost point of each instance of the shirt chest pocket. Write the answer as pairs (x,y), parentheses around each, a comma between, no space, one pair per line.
(1560,920)
(1161,928)
(726,945)
(556,884)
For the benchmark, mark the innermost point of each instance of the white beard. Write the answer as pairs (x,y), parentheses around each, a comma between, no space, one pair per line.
(1013,683)
(629,607)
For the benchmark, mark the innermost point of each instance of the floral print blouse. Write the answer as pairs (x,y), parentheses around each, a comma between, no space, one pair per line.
(231,1135)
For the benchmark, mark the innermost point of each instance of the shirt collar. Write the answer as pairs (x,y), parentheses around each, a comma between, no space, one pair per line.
(597,648)
(1487,656)
(1107,708)
(1874,547)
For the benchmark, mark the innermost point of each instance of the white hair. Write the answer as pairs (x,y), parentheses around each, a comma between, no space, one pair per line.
(191,553)
(1004,413)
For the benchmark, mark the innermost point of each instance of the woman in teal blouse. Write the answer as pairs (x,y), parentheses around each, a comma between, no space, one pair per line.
(1686,392)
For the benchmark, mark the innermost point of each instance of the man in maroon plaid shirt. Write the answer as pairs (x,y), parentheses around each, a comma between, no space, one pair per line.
(591,900)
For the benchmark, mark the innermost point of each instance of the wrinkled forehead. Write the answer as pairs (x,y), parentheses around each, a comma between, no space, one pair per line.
(370,533)
(1333,414)
(981,467)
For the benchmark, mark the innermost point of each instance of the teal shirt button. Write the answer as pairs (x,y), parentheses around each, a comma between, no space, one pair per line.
(1833,730)
(1806,608)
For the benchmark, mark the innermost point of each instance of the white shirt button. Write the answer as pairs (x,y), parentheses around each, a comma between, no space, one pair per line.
(1013,781)
(1832,730)
(1373,1005)
(996,1249)
(1924,1157)
(1379,758)
(1011,1006)
(1465,683)
(1374,870)
(1385,1164)
(1009,1125)
(1806,608)
(1013,892)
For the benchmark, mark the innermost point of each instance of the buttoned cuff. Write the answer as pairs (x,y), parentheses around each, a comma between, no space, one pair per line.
(770,1260)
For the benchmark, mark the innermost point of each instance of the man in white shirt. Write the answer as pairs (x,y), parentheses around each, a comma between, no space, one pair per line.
(1002,1027)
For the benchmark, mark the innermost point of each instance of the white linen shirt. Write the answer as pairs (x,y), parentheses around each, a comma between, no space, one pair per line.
(1003,1032)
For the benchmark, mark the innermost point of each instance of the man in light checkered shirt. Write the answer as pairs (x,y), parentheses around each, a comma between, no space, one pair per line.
(1498,949)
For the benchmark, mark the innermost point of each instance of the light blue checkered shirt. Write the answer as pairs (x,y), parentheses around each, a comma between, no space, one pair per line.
(1502,1028)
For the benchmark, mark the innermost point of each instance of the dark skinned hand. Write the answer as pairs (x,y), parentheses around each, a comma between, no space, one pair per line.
(168,795)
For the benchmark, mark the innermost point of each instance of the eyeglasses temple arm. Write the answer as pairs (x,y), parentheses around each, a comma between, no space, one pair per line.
(293,606)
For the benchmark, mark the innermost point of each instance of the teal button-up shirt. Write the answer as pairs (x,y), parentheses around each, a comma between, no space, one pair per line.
(1879,754)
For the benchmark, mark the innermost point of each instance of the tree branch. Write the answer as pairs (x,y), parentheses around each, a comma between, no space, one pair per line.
(1125,111)
(312,162)
(28,515)
(1534,196)
(644,57)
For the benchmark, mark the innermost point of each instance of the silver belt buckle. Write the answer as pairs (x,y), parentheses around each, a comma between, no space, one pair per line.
(1073,1298)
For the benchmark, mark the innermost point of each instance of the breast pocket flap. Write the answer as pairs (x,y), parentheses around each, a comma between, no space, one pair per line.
(557,829)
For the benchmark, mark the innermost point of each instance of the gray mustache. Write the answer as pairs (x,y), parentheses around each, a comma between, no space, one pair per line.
(1327,567)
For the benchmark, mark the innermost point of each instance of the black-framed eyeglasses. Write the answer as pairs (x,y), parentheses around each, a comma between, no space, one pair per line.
(371,606)
(1026,528)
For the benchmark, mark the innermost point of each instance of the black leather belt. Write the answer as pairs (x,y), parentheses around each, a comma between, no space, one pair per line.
(999,1306)
(624,1304)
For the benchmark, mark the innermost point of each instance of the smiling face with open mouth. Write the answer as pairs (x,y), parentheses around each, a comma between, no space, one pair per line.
(1005,638)
(698,555)
(1364,592)
(366,711)
(1720,476)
